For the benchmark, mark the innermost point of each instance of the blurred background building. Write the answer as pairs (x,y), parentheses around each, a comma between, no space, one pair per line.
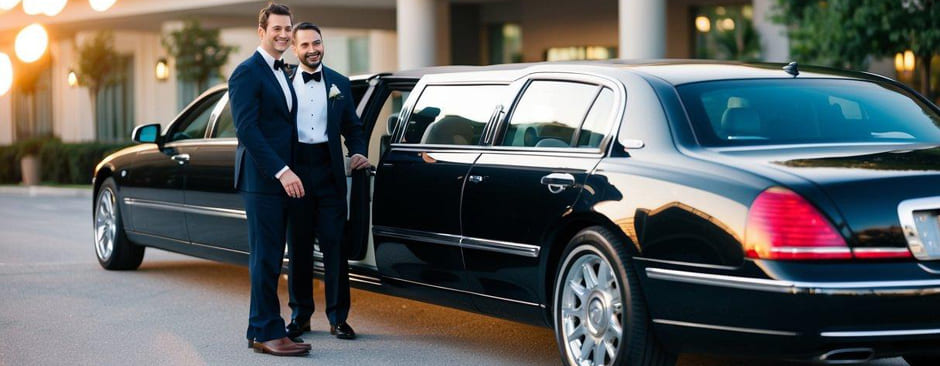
(361,36)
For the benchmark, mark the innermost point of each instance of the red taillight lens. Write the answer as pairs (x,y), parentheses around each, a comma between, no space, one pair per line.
(783,225)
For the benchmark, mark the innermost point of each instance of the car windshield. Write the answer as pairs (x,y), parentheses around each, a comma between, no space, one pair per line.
(798,111)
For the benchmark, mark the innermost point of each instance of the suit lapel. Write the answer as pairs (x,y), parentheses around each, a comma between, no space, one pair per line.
(330,116)
(272,80)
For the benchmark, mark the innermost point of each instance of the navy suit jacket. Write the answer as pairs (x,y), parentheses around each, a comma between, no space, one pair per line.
(265,128)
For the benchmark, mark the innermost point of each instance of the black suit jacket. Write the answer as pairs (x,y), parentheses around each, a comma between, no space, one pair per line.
(342,120)
(265,128)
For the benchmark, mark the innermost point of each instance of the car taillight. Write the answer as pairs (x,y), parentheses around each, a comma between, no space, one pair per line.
(783,225)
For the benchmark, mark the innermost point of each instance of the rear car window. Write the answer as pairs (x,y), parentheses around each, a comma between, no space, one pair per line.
(788,111)
(452,114)
(550,113)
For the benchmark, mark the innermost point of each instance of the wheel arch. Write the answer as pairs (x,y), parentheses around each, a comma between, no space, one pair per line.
(557,239)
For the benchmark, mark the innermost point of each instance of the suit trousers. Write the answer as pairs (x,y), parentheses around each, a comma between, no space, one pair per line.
(320,215)
(267,223)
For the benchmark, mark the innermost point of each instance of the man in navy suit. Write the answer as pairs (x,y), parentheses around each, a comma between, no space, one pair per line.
(264,110)
(325,111)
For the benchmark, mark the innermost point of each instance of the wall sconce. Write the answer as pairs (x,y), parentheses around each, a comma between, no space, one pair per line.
(703,24)
(73,78)
(162,71)
(904,63)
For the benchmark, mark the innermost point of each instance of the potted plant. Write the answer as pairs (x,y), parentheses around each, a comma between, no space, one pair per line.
(28,154)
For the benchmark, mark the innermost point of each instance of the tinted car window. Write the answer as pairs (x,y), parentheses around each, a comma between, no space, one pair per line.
(753,112)
(598,120)
(225,125)
(549,114)
(452,114)
(193,124)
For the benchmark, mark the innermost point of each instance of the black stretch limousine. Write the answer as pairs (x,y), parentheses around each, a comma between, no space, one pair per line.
(639,209)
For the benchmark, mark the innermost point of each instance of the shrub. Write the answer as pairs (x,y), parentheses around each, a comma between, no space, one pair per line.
(60,163)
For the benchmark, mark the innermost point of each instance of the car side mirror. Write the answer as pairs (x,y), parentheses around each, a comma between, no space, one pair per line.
(146,133)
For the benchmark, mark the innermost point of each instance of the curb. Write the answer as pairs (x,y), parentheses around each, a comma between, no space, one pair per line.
(45,191)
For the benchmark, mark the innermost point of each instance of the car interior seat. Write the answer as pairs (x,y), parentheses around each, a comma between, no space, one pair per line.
(741,122)
(450,130)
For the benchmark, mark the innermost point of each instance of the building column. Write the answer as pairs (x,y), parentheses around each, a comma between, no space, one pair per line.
(642,29)
(774,44)
(417,36)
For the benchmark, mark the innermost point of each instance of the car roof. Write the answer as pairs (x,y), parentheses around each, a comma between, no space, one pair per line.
(673,71)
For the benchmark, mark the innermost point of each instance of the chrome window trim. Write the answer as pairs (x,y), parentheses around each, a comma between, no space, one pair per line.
(726,328)
(793,287)
(204,142)
(906,215)
(463,242)
(495,150)
(881,333)
(201,210)
(467,292)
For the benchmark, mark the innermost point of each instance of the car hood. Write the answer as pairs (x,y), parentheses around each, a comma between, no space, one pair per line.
(865,182)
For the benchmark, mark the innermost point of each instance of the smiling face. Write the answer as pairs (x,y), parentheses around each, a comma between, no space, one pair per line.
(308,45)
(276,37)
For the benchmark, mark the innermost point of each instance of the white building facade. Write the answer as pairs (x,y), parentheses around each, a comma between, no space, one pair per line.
(360,36)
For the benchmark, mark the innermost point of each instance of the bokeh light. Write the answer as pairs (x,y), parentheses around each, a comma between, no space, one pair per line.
(703,24)
(33,7)
(8,4)
(31,43)
(101,5)
(6,73)
(53,7)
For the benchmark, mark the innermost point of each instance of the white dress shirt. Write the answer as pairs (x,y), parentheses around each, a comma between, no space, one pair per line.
(311,108)
(281,79)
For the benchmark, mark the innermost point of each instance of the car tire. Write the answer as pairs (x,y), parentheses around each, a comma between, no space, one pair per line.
(599,312)
(922,360)
(113,249)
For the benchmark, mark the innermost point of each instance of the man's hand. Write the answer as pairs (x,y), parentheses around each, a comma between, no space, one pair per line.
(292,184)
(357,161)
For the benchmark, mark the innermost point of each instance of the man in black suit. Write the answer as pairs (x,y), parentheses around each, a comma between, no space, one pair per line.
(264,110)
(325,111)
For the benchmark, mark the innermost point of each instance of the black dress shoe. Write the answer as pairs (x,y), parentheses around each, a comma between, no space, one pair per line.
(295,330)
(343,331)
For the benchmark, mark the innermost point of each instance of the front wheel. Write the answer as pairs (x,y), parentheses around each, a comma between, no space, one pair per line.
(923,360)
(113,249)
(600,315)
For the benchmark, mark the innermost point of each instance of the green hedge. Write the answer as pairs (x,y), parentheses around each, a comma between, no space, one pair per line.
(60,163)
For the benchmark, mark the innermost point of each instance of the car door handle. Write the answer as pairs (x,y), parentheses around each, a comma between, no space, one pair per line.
(557,182)
(180,158)
(475,178)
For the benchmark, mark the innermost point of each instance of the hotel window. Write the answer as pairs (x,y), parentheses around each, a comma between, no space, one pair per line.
(725,32)
(505,43)
(115,105)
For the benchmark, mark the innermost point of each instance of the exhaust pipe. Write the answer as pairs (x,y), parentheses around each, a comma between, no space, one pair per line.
(844,356)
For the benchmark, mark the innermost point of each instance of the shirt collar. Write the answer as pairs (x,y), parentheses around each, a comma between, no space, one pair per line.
(304,68)
(267,57)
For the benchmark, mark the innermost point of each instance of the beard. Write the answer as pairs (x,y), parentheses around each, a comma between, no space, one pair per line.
(312,65)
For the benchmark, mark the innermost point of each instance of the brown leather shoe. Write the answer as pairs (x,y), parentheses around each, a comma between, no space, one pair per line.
(251,343)
(281,347)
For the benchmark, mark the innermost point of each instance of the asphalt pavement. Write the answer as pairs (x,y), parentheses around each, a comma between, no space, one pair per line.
(58,307)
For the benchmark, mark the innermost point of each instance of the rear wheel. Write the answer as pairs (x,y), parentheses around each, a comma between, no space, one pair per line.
(113,249)
(600,315)
(922,360)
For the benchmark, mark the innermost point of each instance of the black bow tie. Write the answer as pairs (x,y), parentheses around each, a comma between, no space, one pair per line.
(279,64)
(315,76)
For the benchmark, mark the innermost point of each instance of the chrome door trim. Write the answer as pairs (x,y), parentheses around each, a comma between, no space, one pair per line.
(525,250)
(881,333)
(200,210)
(726,328)
(417,235)
(505,247)
(467,292)
(911,287)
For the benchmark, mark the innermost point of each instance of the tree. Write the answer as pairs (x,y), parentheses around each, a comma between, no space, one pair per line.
(198,52)
(97,67)
(846,33)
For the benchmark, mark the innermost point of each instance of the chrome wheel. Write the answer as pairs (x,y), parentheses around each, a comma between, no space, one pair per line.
(591,312)
(105,225)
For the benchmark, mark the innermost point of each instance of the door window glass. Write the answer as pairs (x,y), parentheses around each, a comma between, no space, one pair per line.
(598,120)
(549,114)
(452,114)
(225,125)
(194,122)
(388,117)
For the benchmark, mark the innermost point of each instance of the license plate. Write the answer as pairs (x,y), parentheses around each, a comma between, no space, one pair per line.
(920,220)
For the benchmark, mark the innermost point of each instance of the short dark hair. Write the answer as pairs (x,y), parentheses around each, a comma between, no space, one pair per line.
(272,8)
(306,26)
